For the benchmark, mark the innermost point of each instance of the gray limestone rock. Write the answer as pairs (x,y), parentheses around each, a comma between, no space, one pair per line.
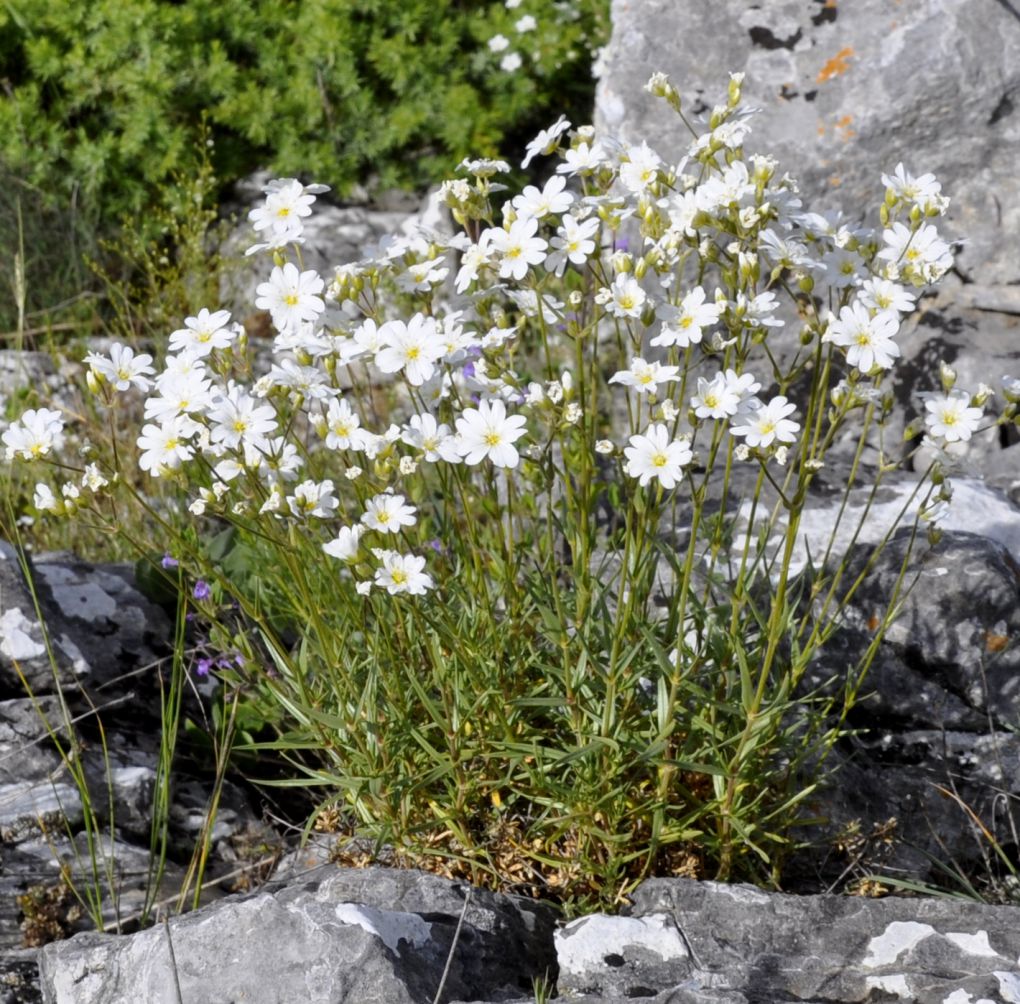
(97,624)
(774,947)
(847,91)
(361,936)
(99,618)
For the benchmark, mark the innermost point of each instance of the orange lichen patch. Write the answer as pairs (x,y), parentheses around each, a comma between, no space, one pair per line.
(843,127)
(838,65)
(995,642)
(834,181)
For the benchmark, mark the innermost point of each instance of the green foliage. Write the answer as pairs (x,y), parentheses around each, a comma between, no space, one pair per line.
(103,99)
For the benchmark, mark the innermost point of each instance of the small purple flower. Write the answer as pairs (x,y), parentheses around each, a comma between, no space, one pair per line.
(203,667)
(201,590)
(436,545)
(474,351)
(468,369)
(169,561)
(622,244)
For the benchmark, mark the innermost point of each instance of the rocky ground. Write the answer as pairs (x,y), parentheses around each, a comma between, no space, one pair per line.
(933,771)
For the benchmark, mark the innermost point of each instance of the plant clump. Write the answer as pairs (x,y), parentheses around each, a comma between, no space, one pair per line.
(471,543)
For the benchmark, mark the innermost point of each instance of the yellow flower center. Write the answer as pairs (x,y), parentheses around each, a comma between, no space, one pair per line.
(492,439)
(290,299)
(398,576)
(659,460)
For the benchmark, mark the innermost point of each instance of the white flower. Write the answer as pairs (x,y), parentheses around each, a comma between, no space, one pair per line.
(716,398)
(572,243)
(487,431)
(422,276)
(625,298)
(526,23)
(923,191)
(950,416)
(759,311)
(519,247)
(123,368)
(471,261)
(785,251)
(313,498)
(604,446)
(498,43)
(921,255)
(641,168)
(35,434)
(203,333)
(583,159)
(291,296)
(868,340)
(654,455)
(881,294)
(541,203)
(684,324)
(287,202)
(645,377)
(414,347)
(434,440)
(387,514)
(238,417)
(510,62)
(546,141)
(93,479)
(165,447)
(179,394)
(273,502)
(341,427)
(403,573)
(45,501)
(766,424)
(345,546)
(841,268)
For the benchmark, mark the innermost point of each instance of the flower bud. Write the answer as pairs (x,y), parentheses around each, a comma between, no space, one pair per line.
(622,262)
(984,392)
(947,376)
(733,92)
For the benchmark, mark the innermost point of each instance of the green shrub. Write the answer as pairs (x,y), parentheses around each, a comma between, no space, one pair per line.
(103,99)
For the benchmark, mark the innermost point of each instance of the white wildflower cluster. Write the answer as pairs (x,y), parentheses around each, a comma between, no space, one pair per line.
(667,270)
